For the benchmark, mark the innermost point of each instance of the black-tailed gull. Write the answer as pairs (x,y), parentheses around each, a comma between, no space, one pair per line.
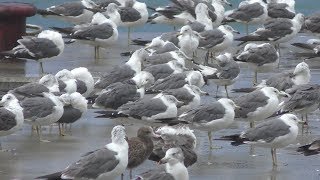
(310,149)
(119,93)
(249,12)
(161,108)
(123,72)
(108,162)
(11,115)
(303,99)
(277,30)
(211,117)
(203,21)
(140,147)
(224,72)
(178,80)
(259,104)
(101,32)
(281,9)
(189,95)
(76,12)
(175,136)
(42,111)
(173,168)
(46,45)
(274,134)
(260,57)
(161,71)
(75,105)
(216,40)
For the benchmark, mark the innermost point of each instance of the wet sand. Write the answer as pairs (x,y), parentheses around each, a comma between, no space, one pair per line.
(30,158)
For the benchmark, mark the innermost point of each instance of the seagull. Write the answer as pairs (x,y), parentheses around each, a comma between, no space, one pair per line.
(249,12)
(189,95)
(105,3)
(310,149)
(46,45)
(159,46)
(120,93)
(219,11)
(188,40)
(203,21)
(108,162)
(304,99)
(224,73)
(211,117)
(75,105)
(140,147)
(216,40)
(83,74)
(160,108)
(101,32)
(166,57)
(134,13)
(180,136)
(76,12)
(281,9)
(275,133)
(311,23)
(161,71)
(11,115)
(259,104)
(173,167)
(47,83)
(123,72)
(42,111)
(67,82)
(277,31)
(178,80)
(260,57)
(313,47)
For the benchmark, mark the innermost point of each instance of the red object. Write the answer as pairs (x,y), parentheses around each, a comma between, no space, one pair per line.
(13,22)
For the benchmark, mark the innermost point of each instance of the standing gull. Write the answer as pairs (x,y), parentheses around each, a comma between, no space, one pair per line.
(161,108)
(173,168)
(76,12)
(102,32)
(180,136)
(140,147)
(216,40)
(203,22)
(119,93)
(108,162)
(274,134)
(211,117)
(11,115)
(123,72)
(75,105)
(259,104)
(249,12)
(42,111)
(46,45)
(260,57)
(178,80)
(223,73)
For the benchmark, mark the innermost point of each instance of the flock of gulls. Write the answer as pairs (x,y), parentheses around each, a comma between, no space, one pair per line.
(159,87)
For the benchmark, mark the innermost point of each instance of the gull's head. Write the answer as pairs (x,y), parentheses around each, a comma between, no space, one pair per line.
(64,75)
(118,134)
(195,78)
(155,43)
(226,57)
(230,29)
(291,117)
(8,99)
(185,30)
(229,103)
(55,37)
(146,132)
(301,68)
(112,8)
(141,54)
(173,155)
(274,91)
(172,99)
(76,100)
(48,80)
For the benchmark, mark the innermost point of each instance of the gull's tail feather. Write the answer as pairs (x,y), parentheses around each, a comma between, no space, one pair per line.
(54,176)
(140,42)
(236,139)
